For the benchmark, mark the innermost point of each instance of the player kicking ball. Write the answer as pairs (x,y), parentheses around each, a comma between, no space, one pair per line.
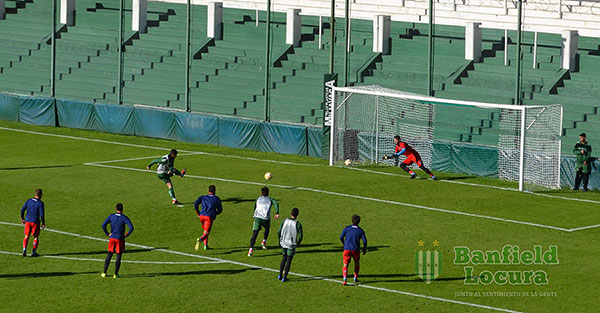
(166,169)
(116,243)
(290,236)
(351,236)
(262,218)
(211,207)
(412,156)
(35,213)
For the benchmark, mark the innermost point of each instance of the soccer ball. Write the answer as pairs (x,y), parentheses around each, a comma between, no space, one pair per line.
(268,175)
(348,162)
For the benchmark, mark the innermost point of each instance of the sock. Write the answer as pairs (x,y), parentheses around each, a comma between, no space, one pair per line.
(266,234)
(118,263)
(253,239)
(25,241)
(345,272)
(426,170)
(288,264)
(107,261)
(411,173)
(35,243)
(172,193)
(282,265)
(206,240)
(356,270)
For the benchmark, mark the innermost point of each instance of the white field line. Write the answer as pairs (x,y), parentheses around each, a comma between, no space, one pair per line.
(154,148)
(479,185)
(124,261)
(273,161)
(406,293)
(584,227)
(346,195)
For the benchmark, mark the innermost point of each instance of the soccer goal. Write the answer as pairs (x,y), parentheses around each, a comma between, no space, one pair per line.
(512,142)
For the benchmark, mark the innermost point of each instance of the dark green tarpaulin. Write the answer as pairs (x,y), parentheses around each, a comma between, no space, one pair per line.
(314,141)
(197,128)
(116,119)
(75,114)
(154,123)
(464,159)
(281,138)
(9,108)
(37,111)
(237,133)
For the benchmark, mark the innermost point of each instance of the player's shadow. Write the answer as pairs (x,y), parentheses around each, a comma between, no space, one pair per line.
(397,278)
(339,248)
(191,273)
(271,248)
(457,177)
(237,200)
(33,167)
(102,252)
(42,275)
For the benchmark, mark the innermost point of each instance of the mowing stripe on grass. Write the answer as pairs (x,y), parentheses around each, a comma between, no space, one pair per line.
(346,195)
(124,261)
(406,293)
(154,148)
(270,161)
(478,185)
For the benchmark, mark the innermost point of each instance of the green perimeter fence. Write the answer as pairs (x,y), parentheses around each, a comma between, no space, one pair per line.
(236,133)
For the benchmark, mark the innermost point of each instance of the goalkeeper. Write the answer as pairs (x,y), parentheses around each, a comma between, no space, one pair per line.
(412,156)
(166,169)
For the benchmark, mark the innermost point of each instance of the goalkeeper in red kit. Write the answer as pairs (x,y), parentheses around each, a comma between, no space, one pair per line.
(412,156)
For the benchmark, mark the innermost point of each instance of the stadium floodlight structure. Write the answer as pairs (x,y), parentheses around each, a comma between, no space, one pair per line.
(527,138)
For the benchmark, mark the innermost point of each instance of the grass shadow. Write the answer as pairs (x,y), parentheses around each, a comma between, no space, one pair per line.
(457,177)
(33,167)
(190,273)
(127,251)
(338,249)
(237,200)
(43,274)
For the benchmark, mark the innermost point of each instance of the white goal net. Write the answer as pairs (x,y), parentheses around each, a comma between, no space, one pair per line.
(515,143)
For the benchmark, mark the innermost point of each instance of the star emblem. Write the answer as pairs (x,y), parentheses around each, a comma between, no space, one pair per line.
(436,243)
(421,243)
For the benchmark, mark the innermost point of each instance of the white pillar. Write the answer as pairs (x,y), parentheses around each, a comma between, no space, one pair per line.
(570,40)
(2,9)
(473,42)
(139,16)
(67,12)
(381,34)
(293,27)
(214,28)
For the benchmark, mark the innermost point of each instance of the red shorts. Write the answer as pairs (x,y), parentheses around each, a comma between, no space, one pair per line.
(116,245)
(411,158)
(32,229)
(207,222)
(355,255)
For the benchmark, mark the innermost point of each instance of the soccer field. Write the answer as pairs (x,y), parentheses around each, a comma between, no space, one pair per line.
(83,174)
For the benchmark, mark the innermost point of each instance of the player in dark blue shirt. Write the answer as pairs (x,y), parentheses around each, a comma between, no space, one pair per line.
(35,214)
(351,236)
(211,207)
(116,243)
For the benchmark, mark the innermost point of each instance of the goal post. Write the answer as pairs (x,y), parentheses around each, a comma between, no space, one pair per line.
(520,143)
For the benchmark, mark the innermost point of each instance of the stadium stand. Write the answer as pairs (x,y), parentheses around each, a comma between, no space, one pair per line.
(227,76)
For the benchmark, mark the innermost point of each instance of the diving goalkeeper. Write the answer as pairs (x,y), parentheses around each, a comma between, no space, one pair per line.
(412,156)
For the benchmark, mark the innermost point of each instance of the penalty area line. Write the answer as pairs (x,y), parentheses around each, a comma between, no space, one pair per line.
(480,185)
(406,293)
(124,261)
(348,196)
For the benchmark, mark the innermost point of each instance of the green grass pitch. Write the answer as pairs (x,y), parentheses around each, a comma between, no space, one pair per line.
(459,210)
